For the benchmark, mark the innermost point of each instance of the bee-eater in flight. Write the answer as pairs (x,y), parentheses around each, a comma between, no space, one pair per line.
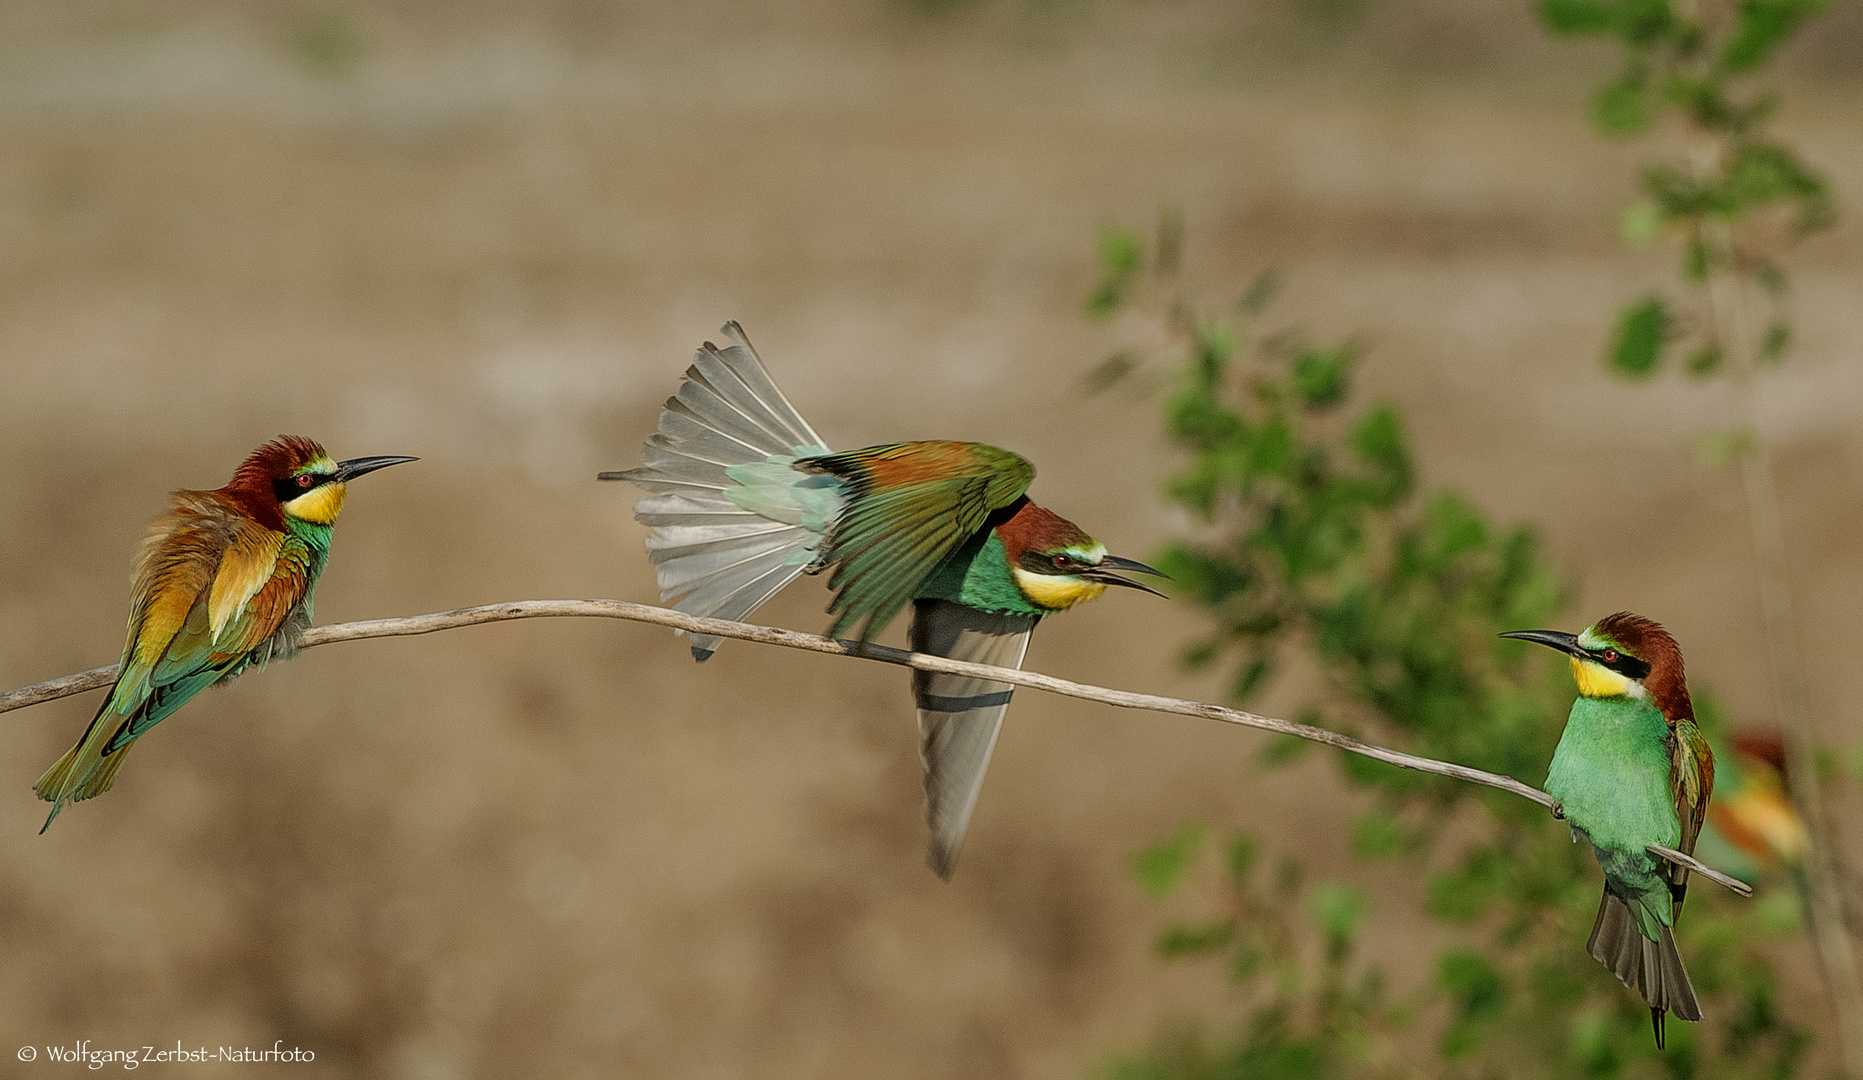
(745,496)
(1632,770)
(224,582)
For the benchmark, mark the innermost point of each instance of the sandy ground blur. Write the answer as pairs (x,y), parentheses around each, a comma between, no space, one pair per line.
(491,236)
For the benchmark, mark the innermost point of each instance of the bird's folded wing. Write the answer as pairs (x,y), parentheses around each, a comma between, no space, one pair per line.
(909,506)
(196,654)
(1691,783)
(959,717)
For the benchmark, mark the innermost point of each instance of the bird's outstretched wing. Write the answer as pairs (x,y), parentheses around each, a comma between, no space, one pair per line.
(908,506)
(960,717)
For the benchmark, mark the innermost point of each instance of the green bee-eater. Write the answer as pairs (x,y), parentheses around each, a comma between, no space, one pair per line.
(1633,770)
(224,582)
(745,497)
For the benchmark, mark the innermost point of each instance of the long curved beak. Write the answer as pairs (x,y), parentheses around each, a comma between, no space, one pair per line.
(357,466)
(1552,639)
(1103,574)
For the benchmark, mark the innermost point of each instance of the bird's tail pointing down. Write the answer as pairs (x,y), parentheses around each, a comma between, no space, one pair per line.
(1651,968)
(731,522)
(85,770)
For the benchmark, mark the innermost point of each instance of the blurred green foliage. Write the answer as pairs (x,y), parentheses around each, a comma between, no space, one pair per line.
(328,44)
(1730,193)
(1314,538)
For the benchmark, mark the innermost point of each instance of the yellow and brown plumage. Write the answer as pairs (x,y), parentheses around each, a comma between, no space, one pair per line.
(224,582)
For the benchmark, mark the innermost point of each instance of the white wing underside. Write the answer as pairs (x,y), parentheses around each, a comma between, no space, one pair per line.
(959,717)
(714,556)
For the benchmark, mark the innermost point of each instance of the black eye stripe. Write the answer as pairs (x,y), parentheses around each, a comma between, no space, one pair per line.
(287,487)
(1625,664)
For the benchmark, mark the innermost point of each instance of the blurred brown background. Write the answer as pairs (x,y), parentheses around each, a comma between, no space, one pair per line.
(490,234)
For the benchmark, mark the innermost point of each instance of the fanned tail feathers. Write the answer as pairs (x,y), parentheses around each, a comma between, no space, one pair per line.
(731,522)
(1651,968)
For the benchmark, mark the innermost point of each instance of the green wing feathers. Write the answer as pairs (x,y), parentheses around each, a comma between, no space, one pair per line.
(1691,783)
(909,506)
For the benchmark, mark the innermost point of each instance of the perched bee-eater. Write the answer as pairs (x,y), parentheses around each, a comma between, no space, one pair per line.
(1754,815)
(745,497)
(1633,770)
(224,582)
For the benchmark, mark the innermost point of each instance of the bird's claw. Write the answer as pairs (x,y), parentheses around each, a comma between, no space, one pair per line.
(1558,810)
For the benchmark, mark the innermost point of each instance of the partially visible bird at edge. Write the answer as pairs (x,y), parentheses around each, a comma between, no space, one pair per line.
(1753,825)
(745,496)
(1631,770)
(224,583)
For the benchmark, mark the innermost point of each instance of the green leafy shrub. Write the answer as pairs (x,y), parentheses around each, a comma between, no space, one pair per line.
(1314,534)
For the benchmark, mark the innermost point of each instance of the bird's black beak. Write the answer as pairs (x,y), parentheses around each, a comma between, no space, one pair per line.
(356,466)
(1102,574)
(1552,639)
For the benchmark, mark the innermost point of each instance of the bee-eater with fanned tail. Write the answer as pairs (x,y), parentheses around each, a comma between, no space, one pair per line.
(1632,770)
(745,497)
(224,582)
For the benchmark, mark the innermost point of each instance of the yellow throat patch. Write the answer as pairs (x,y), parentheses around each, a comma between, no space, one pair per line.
(1595,680)
(1056,592)
(319,505)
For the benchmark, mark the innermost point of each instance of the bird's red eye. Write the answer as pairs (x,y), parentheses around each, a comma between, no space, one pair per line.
(1062,562)
(306,480)
(1609,655)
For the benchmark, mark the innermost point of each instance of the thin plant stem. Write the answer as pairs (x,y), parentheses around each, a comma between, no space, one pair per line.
(1726,297)
(97,678)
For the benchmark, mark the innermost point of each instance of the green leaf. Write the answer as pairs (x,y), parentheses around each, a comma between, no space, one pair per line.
(1472,981)
(1193,940)
(1377,835)
(1158,868)
(1579,16)
(1623,105)
(1642,331)
(1378,440)
(1320,375)
(1462,895)
(1478,992)
(1120,252)
(1640,224)
(1338,909)
(1761,27)
(1120,259)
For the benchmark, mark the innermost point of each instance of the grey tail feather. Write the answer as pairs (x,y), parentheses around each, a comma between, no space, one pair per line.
(960,717)
(1652,968)
(712,556)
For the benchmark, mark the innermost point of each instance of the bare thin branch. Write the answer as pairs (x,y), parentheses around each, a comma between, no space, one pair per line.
(769,635)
